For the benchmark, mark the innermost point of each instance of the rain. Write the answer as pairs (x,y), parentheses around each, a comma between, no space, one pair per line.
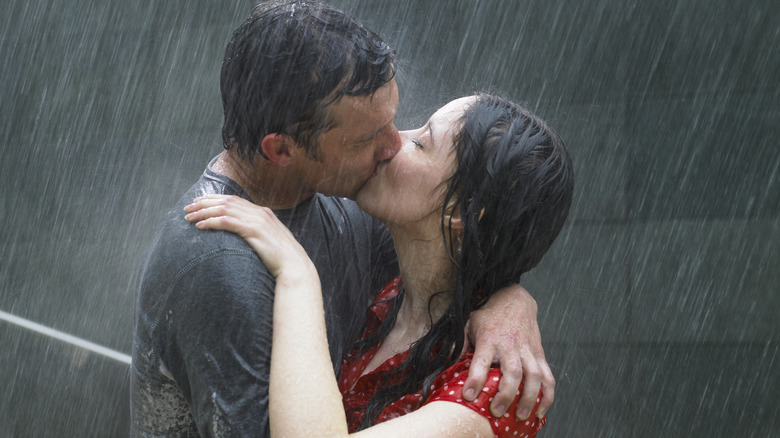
(659,303)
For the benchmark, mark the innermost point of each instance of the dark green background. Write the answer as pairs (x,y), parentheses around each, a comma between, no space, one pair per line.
(659,304)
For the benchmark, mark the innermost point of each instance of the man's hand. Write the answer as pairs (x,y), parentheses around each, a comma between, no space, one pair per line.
(505,331)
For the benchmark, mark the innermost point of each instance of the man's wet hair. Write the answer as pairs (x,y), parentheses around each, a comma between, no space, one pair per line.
(287,63)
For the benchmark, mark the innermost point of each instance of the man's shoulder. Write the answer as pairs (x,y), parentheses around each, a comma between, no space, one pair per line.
(178,244)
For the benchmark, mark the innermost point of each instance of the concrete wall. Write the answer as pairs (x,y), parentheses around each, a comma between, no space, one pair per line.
(658,304)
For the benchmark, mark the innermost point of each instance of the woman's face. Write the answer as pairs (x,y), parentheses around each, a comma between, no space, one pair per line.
(410,188)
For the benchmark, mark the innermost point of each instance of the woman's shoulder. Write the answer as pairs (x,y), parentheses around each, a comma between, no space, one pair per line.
(448,386)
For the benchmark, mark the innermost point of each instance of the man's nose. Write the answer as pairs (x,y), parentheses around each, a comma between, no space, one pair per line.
(390,146)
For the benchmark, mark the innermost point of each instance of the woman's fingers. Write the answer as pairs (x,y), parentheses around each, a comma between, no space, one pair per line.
(207,201)
(223,205)
(272,240)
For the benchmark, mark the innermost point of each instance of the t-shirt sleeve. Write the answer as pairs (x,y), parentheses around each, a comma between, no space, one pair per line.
(448,386)
(220,333)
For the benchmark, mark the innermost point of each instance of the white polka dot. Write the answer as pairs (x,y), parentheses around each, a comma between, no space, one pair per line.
(506,414)
(456,374)
(495,379)
(527,423)
(452,392)
(409,407)
(505,429)
(538,400)
(490,399)
(482,409)
(460,382)
(485,389)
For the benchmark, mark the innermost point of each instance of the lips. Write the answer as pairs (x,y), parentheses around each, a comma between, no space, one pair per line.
(376,170)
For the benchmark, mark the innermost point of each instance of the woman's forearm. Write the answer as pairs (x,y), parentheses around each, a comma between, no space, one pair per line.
(304,396)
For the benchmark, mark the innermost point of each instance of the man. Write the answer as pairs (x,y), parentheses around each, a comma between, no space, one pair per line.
(309,102)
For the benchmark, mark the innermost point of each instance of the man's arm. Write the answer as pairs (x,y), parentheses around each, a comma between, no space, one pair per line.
(505,331)
(220,341)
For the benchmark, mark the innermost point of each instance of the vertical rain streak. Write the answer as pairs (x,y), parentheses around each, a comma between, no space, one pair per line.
(658,303)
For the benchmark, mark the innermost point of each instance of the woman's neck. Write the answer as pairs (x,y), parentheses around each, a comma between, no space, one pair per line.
(425,269)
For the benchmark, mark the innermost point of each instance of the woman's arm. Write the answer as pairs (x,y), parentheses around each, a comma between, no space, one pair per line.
(304,396)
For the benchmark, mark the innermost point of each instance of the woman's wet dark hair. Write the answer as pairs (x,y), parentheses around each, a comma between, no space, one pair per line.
(286,63)
(513,187)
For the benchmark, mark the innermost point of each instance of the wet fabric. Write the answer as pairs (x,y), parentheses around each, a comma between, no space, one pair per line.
(357,390)
(203,312)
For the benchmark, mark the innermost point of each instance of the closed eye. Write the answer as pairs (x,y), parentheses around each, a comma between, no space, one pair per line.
(417,144)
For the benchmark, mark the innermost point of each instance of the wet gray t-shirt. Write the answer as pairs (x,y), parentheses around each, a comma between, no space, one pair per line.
(203,312)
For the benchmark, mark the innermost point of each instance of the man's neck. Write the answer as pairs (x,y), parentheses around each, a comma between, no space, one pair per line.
(266,184)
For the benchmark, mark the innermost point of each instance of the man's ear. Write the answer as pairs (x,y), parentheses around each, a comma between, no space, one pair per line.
(278,148)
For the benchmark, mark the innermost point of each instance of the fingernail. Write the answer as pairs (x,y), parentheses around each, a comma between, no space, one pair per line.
(524,414)
(499,410)
(469,393)
(539,414)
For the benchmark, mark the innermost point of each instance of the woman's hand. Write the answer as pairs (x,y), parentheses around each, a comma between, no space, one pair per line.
(272,241)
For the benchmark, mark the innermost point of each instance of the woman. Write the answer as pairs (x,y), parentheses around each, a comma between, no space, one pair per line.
(473,200)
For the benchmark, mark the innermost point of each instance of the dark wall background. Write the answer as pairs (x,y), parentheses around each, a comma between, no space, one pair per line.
(658,304)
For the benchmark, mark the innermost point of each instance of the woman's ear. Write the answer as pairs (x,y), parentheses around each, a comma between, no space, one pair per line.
(452,217)
(278,148)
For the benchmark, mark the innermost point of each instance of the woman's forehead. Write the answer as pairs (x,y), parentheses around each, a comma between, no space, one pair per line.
(455,108)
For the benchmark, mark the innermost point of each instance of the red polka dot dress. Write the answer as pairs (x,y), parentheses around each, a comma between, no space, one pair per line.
(358,390)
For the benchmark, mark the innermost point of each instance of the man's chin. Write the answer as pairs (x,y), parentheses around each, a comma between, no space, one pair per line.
(342,192)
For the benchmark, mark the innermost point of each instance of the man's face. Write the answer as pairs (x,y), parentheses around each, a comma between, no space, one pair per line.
(411,188)
(363,136)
